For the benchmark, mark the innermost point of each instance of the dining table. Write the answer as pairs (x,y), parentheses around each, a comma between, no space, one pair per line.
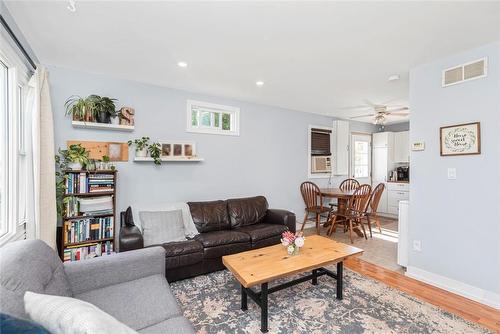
(342,197)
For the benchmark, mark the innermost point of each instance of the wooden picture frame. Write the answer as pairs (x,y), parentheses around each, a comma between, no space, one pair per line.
(460,139)
(178,149)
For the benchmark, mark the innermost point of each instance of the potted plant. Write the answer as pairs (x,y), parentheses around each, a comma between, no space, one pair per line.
(141,146)
(81,108)
(105,161)
(115,117)
(75,157)
(104,107)
(155,152)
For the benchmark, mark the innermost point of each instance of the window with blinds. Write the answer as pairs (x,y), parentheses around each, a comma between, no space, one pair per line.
(320,142)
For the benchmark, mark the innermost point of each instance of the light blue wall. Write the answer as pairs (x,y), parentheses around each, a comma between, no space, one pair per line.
(269,157)
(457,221)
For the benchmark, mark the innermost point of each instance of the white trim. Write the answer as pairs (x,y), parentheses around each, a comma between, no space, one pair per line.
(102,126)
(485,59)
(310,175)
(233,111)
(180,159)
(465,290)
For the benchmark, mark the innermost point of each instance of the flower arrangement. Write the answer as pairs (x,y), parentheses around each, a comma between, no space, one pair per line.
(292,241)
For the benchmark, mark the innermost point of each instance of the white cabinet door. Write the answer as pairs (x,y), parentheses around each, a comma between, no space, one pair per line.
(402,146)
(379,165)
(383,205)
(341,148)
(383,139)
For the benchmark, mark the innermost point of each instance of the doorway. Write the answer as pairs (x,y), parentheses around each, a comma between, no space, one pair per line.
(361,157)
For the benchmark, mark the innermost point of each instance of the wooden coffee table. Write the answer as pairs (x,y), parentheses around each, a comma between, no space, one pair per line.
(261,266)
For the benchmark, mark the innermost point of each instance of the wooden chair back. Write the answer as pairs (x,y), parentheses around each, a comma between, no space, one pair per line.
(360,199)
(311,195)
(376,195)
(349,184)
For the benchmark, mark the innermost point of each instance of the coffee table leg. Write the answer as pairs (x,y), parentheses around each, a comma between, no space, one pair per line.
(244,303)
(340,278)
(315,278)
(263,314)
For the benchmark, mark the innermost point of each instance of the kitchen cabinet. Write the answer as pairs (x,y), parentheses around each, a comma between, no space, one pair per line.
(397,192)
(402,147)
(340,147)
(382,163)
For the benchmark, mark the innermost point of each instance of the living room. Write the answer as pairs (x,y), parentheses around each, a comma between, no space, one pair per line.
(212,106)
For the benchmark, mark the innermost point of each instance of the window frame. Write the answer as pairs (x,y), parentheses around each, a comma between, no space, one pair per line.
(18,75)
(213,108)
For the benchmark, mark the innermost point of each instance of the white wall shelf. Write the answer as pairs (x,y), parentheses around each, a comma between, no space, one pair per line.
(148,159)
(101,126)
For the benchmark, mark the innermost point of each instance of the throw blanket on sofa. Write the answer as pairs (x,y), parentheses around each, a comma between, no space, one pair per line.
(189,226)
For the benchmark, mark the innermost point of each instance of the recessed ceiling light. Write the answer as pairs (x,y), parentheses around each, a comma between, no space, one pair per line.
(182,64)
(393,77)
(259,83)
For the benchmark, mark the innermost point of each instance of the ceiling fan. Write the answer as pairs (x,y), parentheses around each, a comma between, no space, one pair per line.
(381,111)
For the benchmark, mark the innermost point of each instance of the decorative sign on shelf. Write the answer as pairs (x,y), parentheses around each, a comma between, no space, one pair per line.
(461,139)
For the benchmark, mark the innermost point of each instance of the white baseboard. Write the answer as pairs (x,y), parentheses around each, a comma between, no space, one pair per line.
(465,290)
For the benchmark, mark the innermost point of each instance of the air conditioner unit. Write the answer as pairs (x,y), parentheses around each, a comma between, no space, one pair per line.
(321,164)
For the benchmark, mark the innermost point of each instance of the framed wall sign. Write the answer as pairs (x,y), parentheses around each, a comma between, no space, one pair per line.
(461,139)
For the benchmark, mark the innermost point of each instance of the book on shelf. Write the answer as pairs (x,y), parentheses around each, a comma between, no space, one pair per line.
(88,229)
(83,183)
(87,251)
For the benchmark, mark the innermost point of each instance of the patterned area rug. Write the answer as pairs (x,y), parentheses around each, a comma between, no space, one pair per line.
(212,303)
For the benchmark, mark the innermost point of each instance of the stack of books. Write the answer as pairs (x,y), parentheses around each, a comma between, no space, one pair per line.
(87,251)
(88,229)
(76,183)
(100,182)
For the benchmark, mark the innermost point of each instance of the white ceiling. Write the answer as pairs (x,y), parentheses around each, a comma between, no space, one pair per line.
(317,57)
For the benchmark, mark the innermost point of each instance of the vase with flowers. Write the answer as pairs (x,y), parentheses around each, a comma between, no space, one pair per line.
(292,241)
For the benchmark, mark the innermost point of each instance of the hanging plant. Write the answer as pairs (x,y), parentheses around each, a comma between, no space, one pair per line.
(155,152)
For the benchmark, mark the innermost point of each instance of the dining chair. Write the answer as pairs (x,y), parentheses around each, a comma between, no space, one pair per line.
(374,201)
(356,210)
(314,203)
(349,184)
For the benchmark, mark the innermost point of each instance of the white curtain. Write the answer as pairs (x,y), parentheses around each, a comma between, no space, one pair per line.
(44,163)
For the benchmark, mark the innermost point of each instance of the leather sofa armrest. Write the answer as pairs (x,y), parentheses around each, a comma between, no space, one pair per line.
(281,217)
(130,238)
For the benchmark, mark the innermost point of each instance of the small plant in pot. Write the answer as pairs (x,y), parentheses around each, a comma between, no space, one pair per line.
(115,117)
(141,146)
(80,108)
(104,107)
(105,162)
(75,157)
(155,152)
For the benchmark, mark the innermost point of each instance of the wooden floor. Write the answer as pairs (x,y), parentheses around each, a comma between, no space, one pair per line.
(463,307)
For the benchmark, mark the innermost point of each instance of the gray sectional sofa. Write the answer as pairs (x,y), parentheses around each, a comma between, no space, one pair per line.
(129,286)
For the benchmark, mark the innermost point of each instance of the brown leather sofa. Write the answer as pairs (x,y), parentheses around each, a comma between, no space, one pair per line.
(226,227)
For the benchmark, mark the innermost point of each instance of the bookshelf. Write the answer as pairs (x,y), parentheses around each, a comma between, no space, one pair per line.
(89,219)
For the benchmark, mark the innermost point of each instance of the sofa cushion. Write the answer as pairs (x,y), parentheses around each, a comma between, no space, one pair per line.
(138,304)
(221,238)
(218,251)
(13,325)
(210,216)
(182,253)
(262,231)
(62,315)
(246,211)
(29,265)
(177,325)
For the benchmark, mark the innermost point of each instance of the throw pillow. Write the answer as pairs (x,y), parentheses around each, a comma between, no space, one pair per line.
(12,325)
(159,227)
(61,315)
